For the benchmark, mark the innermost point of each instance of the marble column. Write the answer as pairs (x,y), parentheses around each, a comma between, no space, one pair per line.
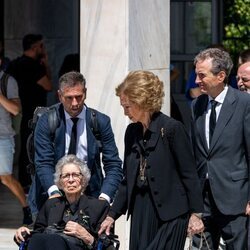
(117,36)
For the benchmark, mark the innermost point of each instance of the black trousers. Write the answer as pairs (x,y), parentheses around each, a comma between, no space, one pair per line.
(40,241)
(232,228)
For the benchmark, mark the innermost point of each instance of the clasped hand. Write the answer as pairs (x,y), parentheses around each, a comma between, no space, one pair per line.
(20,233)
(195,225)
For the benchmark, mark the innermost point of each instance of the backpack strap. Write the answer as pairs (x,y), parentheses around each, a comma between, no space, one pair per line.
(94,126)
(4,83)
(52,120)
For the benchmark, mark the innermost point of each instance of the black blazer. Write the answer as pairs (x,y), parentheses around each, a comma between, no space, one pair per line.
(228,158)
(171,169)
(53,209)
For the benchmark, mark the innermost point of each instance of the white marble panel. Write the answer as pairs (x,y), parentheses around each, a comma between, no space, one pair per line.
(104,57)
(148,34)
(118,36)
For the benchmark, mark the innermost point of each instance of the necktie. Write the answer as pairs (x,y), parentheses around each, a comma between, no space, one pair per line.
(73,137)
(212,120)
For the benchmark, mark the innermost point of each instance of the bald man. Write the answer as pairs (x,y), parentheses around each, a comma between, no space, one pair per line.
(243,77)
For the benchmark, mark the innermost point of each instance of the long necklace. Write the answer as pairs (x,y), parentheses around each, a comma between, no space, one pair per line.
(143,164)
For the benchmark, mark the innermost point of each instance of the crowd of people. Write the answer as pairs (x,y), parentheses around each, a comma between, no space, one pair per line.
(191,182)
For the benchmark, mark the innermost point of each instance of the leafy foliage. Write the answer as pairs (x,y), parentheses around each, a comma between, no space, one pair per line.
(236,26)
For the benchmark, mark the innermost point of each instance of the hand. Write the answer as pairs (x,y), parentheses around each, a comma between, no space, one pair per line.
(55,196)
(44,58)
(248,209)
(106,225)
(20,232)
(195,225)
(74,229)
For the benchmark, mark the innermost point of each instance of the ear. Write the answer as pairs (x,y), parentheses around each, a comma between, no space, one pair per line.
(85,93)
(59,95)
(221,76)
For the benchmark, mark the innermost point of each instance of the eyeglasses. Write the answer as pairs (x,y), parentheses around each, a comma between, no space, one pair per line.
(75,176)
(243,79)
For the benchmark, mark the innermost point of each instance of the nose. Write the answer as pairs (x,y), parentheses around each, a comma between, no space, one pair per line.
(126,111)
(71,178)
(74,101)
(197,79)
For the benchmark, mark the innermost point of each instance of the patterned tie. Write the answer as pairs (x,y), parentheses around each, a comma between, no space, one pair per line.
(73,137)
(212,120)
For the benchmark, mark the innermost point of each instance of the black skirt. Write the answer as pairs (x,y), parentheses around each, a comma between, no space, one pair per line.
(148,231)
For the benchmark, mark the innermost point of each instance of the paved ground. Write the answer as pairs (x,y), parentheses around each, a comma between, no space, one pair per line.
(10,218)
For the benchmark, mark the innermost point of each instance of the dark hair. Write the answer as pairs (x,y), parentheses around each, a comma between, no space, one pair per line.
(30,39)
(70,79)
(244,56)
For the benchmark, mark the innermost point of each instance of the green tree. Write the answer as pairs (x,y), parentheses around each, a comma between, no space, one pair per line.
(236,26)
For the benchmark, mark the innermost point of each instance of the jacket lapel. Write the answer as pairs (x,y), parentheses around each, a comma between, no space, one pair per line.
(90,140)
(60,133)
(201,121)
(226,112)
(200,109)
(156,130)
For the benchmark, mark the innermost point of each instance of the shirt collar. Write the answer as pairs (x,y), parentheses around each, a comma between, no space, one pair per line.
(82,115)
(220,98)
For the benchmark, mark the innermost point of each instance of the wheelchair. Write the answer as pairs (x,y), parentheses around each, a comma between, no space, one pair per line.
(104,242)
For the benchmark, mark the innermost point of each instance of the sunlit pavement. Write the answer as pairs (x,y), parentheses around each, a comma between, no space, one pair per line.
(6,239)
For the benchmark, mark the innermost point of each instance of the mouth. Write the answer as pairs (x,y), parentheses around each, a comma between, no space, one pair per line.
(243,88)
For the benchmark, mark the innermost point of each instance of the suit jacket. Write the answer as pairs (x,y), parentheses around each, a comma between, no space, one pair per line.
(50,148)
(53,210)
(227,159)
(171,170)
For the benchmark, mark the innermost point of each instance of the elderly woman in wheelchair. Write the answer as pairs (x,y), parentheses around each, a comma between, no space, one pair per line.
(71,220)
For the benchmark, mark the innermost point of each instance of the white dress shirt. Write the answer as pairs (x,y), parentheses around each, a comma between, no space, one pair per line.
(219,99)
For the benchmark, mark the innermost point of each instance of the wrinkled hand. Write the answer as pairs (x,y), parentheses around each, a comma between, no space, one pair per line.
(248,209)
(74,229)
(195,225)
(18,234)
(106,225)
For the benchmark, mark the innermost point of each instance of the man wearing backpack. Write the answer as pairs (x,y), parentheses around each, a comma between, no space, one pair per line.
(10,106)
(50,147)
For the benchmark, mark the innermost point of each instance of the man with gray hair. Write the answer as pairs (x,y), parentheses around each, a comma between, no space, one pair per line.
(220,135)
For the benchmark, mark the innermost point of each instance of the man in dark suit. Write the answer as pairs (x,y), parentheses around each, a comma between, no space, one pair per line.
(50,148)
(221,142)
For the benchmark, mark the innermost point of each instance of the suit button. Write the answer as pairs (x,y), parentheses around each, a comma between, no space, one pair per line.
(159,205)
(156,192)
(152,179)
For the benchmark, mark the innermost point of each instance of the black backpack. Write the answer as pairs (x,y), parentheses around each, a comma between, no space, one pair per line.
(53,124)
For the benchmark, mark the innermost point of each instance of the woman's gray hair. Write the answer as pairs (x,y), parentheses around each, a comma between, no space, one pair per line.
(221,60)
(72,159)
